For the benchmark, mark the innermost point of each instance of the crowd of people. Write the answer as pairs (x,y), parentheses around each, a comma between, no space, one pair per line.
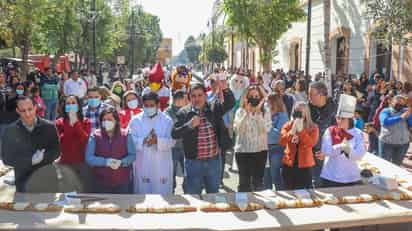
(133,134)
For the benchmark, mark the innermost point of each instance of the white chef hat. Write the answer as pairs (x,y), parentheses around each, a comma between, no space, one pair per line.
(347,106)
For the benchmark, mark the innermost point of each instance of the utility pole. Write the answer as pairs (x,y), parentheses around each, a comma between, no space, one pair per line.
(132,33)
(308,38)
(94,15)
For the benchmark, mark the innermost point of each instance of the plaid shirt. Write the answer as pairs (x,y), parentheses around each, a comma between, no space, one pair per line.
(206,141)
(93,116)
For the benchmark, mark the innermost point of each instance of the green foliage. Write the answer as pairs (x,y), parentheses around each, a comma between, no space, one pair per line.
(392,19)
(58,27)
(216,55)
(264,21)
(192,50)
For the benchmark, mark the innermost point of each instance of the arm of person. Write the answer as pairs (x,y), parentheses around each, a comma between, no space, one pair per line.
(165,143)
(228,102)
(91,158)
(11,155)
(239,123)
(387,120)
(309,136)
(134,129)
(131,152)
(52,151)
(265,122)
(285,136)
(181,127)
(65,88)
(358,149)
(326,146)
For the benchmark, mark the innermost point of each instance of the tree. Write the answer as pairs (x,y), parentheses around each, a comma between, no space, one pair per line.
(192,50)
(264,21)
(19,18)
(216,55)
(392,19)
(56,30)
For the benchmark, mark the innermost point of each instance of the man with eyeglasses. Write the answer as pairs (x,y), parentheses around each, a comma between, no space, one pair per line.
(204,134)
(30,143)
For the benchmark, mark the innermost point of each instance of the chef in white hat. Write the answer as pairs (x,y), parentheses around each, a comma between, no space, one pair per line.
(342,146)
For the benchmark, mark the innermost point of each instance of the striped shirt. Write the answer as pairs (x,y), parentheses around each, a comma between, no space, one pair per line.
(206,142)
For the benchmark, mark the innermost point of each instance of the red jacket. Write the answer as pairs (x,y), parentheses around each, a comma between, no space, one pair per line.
(126,115)
(307,140)
(73,140)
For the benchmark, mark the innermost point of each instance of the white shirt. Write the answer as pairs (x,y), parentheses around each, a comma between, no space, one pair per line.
(77,88)
(337,167)
(251,130)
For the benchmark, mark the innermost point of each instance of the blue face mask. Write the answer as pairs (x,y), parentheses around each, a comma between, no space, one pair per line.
(149,111)
(71,108)
(19,92)
(93,102)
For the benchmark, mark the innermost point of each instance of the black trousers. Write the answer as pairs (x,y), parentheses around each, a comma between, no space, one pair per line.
(297,178)
(251,170)
(330,184)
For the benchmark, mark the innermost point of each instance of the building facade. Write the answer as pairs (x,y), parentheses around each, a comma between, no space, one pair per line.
(352,48)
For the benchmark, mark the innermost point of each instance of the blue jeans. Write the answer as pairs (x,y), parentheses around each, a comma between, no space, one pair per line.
(373,143)
(273,174)
(393,152)
(178,156)
(51,106)
(199,173)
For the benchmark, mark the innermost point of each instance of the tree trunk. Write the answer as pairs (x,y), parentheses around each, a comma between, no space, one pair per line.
(266,57)
(25,57)
(326,47)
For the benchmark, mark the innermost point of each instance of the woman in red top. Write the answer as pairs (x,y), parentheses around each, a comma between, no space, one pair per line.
(73,130)
(130,108)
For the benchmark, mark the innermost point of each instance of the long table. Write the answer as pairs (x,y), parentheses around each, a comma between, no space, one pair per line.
(326,216)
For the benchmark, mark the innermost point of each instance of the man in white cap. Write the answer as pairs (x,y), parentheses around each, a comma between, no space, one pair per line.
(342,146)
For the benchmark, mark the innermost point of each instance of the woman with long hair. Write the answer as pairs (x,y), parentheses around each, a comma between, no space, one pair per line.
(251,124)
(73,130)
(298,137)
(111,153)
(279,117)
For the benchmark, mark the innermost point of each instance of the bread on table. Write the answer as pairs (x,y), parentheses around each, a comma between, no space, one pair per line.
(102,208)
(75,208)
(180,208)
(138,208)
(229,207)
(46,207)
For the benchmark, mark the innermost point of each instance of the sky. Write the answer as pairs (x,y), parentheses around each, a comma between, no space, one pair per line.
(180,18)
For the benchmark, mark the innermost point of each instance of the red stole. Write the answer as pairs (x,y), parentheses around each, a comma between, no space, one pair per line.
(338,135)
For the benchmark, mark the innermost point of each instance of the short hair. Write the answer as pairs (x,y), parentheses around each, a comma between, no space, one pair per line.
(198,86)
(93,89)
(151,96)
(280,82)
(23,98)
(320,87)
(179,94)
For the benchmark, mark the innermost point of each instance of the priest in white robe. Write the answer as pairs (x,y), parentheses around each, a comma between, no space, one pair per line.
(151,132)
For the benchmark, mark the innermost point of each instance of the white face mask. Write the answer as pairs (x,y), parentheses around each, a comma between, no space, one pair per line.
(108,125)
(133,104)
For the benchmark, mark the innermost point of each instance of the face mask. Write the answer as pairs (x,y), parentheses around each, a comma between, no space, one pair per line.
(19,92)
(253,101)
(118,90)
(93,102)
(133,104)
(108,125)
(71,108)
(398,107)
(149,111)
